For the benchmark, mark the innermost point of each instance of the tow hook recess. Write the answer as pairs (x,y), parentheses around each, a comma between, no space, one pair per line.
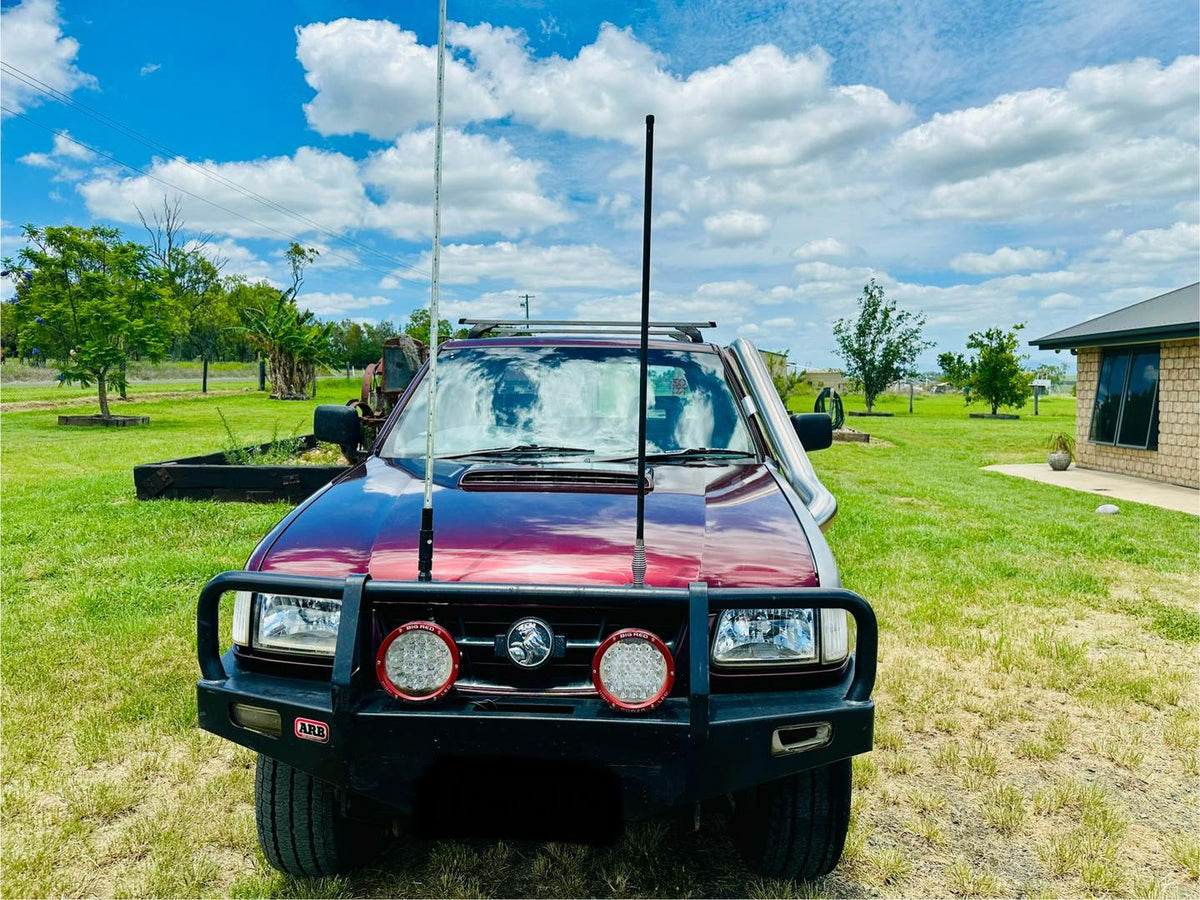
(798,738)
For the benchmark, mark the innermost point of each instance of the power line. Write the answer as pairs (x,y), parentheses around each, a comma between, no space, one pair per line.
(65,136)
(133,134)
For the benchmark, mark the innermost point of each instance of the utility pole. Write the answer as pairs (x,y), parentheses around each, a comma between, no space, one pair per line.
(525,298)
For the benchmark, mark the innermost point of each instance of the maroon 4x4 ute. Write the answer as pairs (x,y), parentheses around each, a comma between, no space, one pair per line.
(529,688)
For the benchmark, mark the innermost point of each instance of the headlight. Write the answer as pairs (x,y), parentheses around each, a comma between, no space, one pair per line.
(756,637)
(287,624)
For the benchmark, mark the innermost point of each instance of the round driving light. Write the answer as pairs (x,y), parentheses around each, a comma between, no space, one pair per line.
(417,661)
(633,670)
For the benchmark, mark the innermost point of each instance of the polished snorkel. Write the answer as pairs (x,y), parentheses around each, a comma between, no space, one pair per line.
(425,540)
(639,543)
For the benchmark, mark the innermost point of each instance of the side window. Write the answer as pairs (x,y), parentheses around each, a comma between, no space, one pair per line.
(1126,408)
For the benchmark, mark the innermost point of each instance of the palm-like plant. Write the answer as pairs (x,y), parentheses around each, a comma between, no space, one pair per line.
(1062,442)
(294,343)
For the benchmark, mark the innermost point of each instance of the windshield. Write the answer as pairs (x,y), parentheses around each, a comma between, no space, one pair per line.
(574,399)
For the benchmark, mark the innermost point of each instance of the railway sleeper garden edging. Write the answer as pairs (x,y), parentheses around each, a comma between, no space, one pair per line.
(211,477)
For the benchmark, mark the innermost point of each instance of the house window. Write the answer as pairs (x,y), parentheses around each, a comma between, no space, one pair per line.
(1126,411)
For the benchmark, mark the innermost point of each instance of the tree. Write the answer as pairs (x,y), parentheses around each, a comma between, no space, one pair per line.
(417,327)
(991,375)
(787,379)
(294,343)
(1055,373)
(881,344)
(183,266)
(955,369)
(359,344)
(85,299)
(8,330)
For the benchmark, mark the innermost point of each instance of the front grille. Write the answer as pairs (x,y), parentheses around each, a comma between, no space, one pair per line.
(475,629)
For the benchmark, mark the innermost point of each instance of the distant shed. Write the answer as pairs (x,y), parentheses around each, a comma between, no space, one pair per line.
(834,379)
(1137,407)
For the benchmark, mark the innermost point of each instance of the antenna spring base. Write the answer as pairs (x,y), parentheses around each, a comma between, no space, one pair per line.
(639,564)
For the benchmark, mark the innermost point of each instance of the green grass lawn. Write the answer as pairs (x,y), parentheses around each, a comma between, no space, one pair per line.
(1037,723)
(15,371)
(138,391)
(21,383)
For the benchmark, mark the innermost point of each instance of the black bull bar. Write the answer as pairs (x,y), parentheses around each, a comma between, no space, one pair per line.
(687,749)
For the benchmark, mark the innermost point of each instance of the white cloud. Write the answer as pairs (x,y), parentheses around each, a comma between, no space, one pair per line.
(1119,135)
(727,290)
(1120,269)
(321,185)
(337,304)
(240,260)
(1021,128)
(486,187)
(782,106)
(736,227)
(149,69)
(1062,300)
(1110,176)
(782,323)
(1179,244)
(526,266)
(373,77)
(822,248)
(63,158)
(1005,259)
(491,305)
(35,44)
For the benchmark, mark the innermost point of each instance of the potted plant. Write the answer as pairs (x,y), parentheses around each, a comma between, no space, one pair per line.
(1062,451)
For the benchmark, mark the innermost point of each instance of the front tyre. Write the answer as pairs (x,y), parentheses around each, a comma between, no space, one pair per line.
(301,827)
(794,827)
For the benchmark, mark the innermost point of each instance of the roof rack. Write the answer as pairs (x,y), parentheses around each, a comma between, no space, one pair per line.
(680,331)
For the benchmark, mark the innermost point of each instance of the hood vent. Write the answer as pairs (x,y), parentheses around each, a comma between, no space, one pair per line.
(615,481)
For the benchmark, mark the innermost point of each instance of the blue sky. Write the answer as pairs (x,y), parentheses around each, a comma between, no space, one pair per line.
(989,163)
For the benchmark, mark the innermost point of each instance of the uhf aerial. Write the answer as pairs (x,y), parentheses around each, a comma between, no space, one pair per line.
(425,540)
(639,542)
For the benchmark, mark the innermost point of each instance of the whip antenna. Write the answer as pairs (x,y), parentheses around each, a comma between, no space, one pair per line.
(639,543)
(425,548)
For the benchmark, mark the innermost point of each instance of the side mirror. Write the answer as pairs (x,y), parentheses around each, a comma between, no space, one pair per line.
(338,425)
(815,430)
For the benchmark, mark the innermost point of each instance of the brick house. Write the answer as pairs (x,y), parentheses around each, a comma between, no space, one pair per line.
(1137,406)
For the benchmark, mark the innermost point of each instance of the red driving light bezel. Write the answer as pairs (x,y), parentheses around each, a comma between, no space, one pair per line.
(657,643)
(381,666)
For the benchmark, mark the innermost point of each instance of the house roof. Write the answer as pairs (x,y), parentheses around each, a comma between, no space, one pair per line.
(1169,316)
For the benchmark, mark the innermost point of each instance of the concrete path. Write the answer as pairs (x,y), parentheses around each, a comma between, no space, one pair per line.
(1107,484)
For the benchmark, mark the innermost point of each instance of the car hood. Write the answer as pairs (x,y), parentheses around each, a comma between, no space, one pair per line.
(728,525)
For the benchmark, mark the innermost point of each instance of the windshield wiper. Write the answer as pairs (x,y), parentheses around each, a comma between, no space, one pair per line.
(693,453)
(519,450)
